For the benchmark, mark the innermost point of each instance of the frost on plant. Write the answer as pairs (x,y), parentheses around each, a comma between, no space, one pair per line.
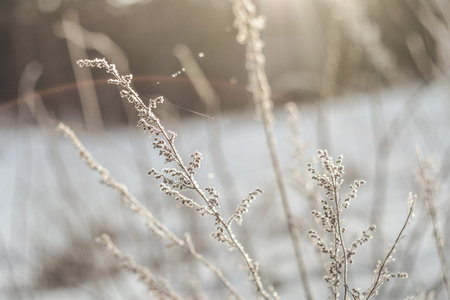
(333,243)
(174,182)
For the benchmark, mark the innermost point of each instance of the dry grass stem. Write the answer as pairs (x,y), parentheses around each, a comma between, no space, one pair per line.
(249,24)
(158,287)
(136,207)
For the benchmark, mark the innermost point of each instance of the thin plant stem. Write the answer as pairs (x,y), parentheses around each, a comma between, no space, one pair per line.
(136,207)
(339,234)
(249,25)
(378,279)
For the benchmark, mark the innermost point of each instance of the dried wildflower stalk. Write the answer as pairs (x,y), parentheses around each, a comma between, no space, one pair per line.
(330,218)
(138,208)
(174,181)
(249,24)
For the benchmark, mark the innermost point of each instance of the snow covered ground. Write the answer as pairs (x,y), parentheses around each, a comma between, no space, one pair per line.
(52,207)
